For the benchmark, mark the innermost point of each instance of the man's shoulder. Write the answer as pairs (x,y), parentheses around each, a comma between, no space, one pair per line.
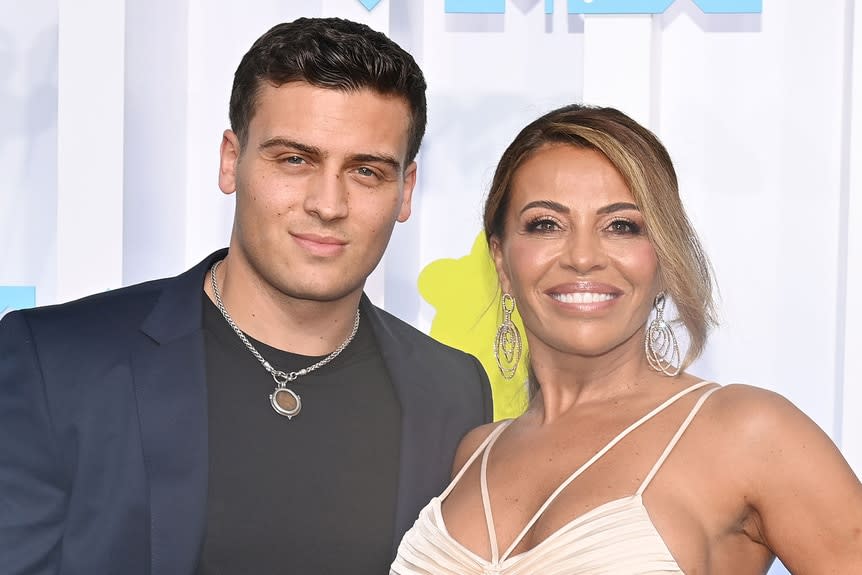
(113,310)
(408,334)
(108,307)
(456,377)
(426,348)
(110,320)
(81,338)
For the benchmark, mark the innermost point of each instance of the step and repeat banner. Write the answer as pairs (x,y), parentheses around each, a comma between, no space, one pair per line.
(111,116)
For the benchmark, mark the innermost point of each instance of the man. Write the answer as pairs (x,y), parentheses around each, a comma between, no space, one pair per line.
(256,414)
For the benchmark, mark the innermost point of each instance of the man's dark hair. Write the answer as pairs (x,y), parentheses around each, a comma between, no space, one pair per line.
(328,53)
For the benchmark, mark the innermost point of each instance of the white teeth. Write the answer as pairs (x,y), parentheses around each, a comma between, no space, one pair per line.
(582,297)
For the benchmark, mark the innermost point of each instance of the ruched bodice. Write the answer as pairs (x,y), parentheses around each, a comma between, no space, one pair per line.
(617,537)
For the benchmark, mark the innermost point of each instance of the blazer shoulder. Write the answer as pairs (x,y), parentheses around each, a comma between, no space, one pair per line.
(102,312)
(112,313)
(407,334)
(458,376)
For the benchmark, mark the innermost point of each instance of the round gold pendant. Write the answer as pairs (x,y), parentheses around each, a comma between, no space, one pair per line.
(285,402)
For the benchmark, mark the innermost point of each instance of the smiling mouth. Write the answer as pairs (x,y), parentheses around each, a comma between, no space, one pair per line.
(582,297)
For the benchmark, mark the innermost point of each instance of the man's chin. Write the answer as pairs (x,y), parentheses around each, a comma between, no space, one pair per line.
(323,294)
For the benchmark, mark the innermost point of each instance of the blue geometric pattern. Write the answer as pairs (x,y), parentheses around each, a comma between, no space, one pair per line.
(369,4)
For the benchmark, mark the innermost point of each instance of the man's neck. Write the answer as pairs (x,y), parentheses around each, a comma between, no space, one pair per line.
(301,326)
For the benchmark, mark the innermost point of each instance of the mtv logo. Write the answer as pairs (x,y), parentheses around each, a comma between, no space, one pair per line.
(16,297)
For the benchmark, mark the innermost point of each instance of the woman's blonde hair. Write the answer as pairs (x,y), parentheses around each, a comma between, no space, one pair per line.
(646,167)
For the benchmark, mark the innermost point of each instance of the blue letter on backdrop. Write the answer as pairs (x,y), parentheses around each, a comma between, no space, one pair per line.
(730,6)
(618,6)
(609,6)
(16,297)
(475,6)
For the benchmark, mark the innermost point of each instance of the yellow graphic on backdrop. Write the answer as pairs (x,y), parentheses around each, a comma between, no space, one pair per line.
(466,295)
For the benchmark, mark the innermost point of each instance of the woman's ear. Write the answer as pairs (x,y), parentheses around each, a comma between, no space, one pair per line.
(660,284)
(496,247)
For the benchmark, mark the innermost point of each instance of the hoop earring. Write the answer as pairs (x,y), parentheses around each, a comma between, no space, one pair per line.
(662,350)
(507,344)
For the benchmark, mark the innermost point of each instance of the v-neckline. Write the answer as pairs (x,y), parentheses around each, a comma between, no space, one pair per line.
(485,451)
(437,509)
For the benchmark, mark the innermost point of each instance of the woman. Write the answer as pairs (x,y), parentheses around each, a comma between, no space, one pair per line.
(624,463)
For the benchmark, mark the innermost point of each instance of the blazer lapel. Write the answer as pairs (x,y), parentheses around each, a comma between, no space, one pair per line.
(169,368)
(420,453)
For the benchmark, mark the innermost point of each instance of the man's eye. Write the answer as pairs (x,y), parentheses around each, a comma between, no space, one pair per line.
(366,171)
(293,160)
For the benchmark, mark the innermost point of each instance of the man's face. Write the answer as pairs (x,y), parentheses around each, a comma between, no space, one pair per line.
(320,183)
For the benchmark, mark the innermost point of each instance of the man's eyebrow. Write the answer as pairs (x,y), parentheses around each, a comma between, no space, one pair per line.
(547,204)
(617,207)
(378,159)
(315,151)
(286,143)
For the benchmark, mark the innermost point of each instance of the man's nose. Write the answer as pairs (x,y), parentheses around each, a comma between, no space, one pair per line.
(327,196)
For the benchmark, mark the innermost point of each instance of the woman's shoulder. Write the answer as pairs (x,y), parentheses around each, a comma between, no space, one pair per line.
(742,407)
(757,425)
(472,441)
(807,499)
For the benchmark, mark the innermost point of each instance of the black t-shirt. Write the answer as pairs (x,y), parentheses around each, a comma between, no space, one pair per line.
(311,495)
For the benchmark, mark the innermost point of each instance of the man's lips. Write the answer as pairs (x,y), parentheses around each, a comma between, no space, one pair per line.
(320,239)
(319,244)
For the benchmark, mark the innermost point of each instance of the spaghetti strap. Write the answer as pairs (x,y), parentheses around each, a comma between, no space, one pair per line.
(491,437)
(486,504)
(673,441)
(594,458)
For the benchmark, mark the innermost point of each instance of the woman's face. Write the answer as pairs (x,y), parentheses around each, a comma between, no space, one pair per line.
(575,254)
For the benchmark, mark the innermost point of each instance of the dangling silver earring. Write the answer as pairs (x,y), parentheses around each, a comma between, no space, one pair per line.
(507,344)
(662,350)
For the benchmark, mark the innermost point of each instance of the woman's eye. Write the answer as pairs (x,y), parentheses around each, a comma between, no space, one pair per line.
(624,227)
(542,225)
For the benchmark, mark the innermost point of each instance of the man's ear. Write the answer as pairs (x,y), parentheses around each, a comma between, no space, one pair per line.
(496,247)
(407,192)
(228,160)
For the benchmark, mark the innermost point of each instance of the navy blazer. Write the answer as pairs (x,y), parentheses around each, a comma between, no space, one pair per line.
(103,427)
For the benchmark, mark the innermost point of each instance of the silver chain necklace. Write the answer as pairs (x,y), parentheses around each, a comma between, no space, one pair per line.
(283,399)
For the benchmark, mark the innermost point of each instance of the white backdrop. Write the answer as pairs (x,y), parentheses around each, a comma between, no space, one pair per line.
(110,126)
